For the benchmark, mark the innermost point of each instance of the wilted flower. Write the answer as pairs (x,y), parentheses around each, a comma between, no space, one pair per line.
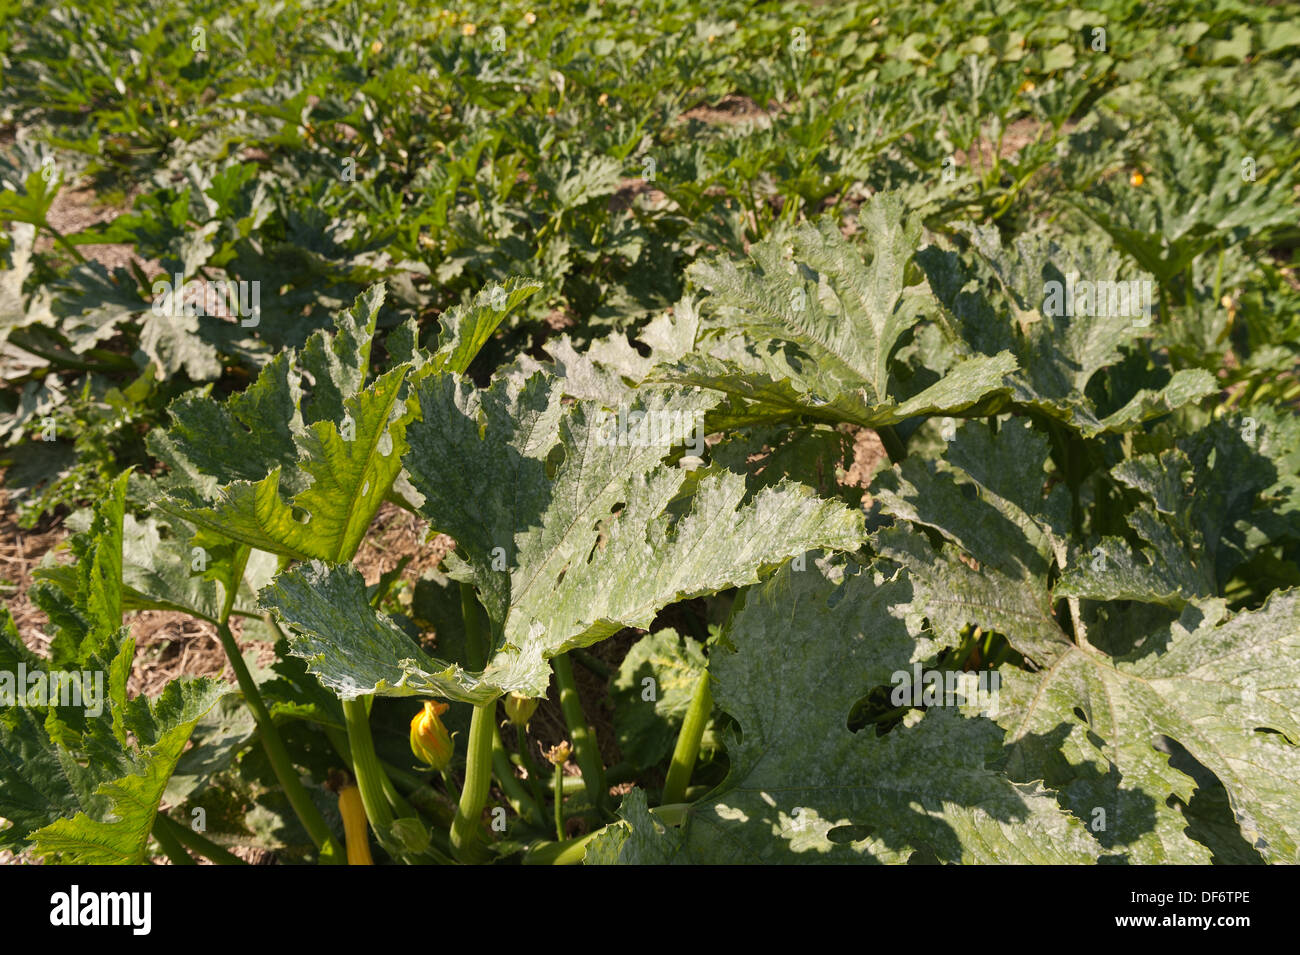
(558,755)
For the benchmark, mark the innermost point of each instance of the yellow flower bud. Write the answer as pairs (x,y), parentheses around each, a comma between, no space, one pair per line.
(468,29)
(1136,179)
(430,741)
(520,708)
(530,18)
(376,47)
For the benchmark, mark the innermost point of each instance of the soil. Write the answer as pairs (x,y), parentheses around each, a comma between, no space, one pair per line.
(868,453)
(21,552)
(75,209)
(731,110)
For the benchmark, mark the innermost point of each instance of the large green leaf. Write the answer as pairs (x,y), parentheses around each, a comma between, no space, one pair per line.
(162,570)
(1002,535)
(808,328)
(1058,353)
(88,770)
(84,600)
(333,442)
(805,788)
(351,464)
(1208,505)
(639,838)
(120,835)
(252,432)
(356,651)
(1225,688)
(568,536)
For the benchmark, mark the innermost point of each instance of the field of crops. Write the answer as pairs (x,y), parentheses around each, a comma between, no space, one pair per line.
(649,431)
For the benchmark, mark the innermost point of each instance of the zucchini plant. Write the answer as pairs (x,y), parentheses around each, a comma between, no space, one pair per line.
(837,433)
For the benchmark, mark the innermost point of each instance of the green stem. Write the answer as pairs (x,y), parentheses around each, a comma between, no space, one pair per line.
(894,446)
(168,843)
(449,784)
(521,798)
(198,842)
(564,852)
(465,828)
(26,343)
(330,851)
(62,239)
(387,772)
(593,663)
(584,742)
(475,648)
(365,766)
(232,583)
(558,778)
(688,742)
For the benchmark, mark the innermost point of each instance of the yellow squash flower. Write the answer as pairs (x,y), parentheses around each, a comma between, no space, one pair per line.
(430,741)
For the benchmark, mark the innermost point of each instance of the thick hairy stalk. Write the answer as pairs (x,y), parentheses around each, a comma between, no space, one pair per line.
(198,842)
(893,443)
(564,852)
(168,843)
(584,741)
(365,766)
(330,851)
(688,742)
(466,841)
(520,798)
(559,801)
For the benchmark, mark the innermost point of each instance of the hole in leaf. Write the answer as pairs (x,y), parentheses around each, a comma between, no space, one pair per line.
(924,856)
(843,835)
